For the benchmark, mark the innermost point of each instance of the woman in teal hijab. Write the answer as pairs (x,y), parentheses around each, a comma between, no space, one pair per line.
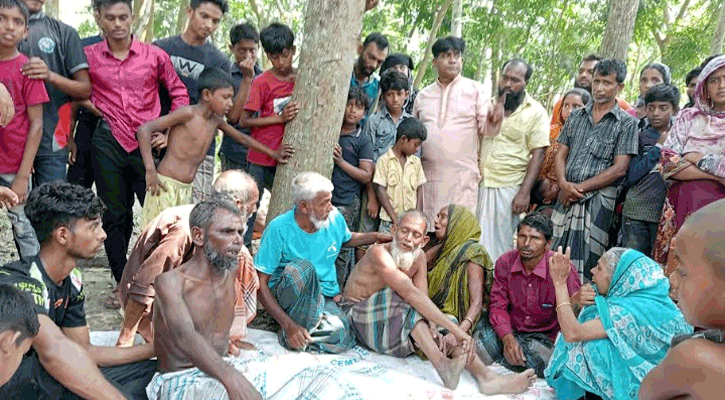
(614,343)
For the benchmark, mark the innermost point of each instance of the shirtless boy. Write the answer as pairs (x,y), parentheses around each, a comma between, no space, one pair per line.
(192,129)
(694,368)
(193,314)
(395,274)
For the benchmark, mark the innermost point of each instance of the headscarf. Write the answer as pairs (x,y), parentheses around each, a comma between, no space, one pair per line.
(448,280)
(640,321)
(697,129)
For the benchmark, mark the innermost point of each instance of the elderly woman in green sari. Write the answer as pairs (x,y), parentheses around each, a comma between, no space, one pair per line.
(460,272)
(609,349)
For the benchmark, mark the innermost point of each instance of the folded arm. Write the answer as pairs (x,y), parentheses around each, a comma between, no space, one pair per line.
(608,176)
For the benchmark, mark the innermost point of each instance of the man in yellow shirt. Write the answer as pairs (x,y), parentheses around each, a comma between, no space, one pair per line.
(510,160)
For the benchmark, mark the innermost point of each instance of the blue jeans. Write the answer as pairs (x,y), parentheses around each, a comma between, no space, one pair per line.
(23,233)
(50,167)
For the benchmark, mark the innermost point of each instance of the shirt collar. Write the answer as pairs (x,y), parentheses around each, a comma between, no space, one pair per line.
(616,111)
(386,113)
(135,47)
(540,270)
(456,79)
(370,80)
(38,15)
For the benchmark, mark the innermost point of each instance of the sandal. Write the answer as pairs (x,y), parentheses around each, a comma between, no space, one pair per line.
(112,302)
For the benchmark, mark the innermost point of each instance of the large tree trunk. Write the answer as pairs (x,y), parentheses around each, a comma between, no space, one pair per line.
(717,38)
(618,31)
(442,10)
(181,16)
(323,80)
(144,25)
(457,18)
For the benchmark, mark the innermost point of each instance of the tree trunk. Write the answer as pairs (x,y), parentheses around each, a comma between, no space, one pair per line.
(442,10)
(457,18)
(144,24)
(618,32)
(719,34)
(181,16)
(52,8)
(323,80)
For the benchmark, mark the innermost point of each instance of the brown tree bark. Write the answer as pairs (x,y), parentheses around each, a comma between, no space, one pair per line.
(619,28)
(716,45)
(442,10)
(181,16)
(323,80)
(143,27)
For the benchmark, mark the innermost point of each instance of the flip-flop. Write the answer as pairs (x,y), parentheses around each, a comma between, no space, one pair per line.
(112,302)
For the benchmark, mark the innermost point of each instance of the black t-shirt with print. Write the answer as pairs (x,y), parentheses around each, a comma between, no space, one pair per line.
(64,303)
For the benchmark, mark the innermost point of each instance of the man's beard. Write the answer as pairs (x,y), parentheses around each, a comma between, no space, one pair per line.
(587,88)
(361,68)
(513,100)
(217,260)
(403,259)
(321,223)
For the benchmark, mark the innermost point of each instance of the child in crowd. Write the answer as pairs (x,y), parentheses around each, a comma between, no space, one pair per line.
(353,157)
(543,196)
(192,129)
(269,98)
(399,174)
(19,140)
(573,99)
(18,326)
(381,128)
(647,190)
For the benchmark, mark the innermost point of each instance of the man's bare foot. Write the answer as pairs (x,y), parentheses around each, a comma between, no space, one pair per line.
(507,384)
(450,371)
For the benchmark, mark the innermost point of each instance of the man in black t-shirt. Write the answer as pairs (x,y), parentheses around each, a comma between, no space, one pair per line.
(62,363)
(192,52)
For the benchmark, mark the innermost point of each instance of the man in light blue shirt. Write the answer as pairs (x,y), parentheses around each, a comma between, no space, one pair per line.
(296,265)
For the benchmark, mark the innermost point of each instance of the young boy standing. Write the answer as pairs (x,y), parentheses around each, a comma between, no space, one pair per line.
(647,190)
(19,140)
(381,128)
(399,174)
(353,157)
(269,108)
(191,133)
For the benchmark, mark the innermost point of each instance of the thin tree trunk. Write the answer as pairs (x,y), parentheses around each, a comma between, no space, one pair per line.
(52,8)
(716,44)
(181,16)
(144,25)
(618,32)
(457,18)
(442,10)
(326,59)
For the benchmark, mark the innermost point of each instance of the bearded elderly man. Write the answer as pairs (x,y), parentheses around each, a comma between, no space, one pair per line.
(389,290)
(296,266)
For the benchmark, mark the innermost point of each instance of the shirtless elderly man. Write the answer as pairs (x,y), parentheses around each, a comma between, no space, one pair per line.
(694,366)
(389,289)
(166,243)
(193,314)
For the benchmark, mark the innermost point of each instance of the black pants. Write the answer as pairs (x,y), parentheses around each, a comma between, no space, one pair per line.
(32,381)
(264,176)
(81,171)
(118,176)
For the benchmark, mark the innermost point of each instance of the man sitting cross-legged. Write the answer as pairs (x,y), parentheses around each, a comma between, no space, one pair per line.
(166,243)
(193,314)
(62,363)
(390,290)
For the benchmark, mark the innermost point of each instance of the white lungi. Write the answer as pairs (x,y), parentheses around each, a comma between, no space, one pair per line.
(498,223)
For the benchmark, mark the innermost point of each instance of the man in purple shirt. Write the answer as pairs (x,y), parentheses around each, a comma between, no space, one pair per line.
(126,75)
(522,323)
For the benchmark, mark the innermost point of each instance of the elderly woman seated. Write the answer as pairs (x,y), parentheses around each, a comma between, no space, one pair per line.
(618,340)
(460,271)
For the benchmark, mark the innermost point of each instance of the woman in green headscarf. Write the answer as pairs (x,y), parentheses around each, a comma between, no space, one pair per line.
(460,272)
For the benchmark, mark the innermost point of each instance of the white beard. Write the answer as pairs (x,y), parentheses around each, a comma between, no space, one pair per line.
(322,223)
(403,259)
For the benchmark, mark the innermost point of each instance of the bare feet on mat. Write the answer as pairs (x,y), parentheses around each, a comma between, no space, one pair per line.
(450,371)
(507,384)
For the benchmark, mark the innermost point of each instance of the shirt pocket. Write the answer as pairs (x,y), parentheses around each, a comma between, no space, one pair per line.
(393,177)
(602,148)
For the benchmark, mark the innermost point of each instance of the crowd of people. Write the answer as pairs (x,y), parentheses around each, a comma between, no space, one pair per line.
(584,249)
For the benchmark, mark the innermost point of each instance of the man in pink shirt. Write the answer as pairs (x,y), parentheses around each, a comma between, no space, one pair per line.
(522,323)
(126,75)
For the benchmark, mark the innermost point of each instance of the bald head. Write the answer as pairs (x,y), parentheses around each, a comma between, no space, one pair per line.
(237,184)
(706,224)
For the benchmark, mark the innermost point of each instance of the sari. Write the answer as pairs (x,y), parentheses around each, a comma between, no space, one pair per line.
(640,322)
(448,279)
(547,167)
(697,129)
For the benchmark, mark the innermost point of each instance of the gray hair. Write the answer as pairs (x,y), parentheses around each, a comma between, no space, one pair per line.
(306,185)
(203,213)
(612,256)
(415,214)
(236,184)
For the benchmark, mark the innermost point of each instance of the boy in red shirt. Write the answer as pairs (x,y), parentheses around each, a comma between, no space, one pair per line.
(270,97)
(19,140)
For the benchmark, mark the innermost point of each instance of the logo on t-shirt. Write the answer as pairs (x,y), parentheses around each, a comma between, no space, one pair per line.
(46,45)
(187,68)
(332,250)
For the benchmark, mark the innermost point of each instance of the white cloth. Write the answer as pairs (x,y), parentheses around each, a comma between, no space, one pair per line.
(498,223)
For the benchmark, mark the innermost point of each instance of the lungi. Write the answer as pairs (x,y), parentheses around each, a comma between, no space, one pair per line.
(176,194)
(498,223)
(383,323)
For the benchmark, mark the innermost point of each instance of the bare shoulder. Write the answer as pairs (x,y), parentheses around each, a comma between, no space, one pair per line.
(168,283)
(378,255)
(699,354)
